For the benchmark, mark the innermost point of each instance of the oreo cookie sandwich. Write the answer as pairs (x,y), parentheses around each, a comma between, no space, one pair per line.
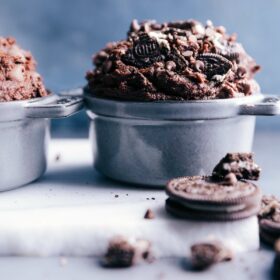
(269,219)
(206,199)
(242,165)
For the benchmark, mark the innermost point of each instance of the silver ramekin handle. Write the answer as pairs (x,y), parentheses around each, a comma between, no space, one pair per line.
(57,106)
(268,106)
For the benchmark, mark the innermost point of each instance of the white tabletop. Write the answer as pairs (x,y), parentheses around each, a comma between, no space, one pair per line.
(70,182)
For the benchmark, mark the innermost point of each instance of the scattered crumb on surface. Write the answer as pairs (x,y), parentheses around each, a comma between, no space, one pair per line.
(149,214)
(116,195)
(57,157)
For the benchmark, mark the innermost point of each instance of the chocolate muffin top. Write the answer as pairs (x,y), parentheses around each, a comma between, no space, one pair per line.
(18,77)
(181,60)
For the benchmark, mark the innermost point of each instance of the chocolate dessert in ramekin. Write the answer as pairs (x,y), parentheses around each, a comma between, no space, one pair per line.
(25,109)
(170,100)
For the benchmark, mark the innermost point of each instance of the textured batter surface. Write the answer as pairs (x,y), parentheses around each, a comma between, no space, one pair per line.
(181,60)
(18,77)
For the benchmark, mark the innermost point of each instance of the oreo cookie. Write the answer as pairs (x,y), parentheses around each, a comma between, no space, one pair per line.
(206,199)
(240,164)
(269,219)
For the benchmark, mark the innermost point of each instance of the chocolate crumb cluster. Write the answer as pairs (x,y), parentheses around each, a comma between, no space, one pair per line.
(241,165)
(182,60)
(122,252)
(18,77)
(204,255)
(270,209)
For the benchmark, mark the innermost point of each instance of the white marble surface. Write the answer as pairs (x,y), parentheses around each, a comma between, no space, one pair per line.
(80,185)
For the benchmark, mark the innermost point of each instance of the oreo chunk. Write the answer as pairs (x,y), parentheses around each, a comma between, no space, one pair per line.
(241,165)
(203,255)
(124,253)
(269,219)
(214,64)
(202,198)
(145,52)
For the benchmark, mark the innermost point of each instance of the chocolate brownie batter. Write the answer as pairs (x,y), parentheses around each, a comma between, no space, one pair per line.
(18,77)
(181,60)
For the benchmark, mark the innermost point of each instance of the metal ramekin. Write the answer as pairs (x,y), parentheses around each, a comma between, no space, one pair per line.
(148,143)
(24,129)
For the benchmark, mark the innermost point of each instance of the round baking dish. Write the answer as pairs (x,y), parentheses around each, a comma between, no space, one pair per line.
(24,127)
(148,143)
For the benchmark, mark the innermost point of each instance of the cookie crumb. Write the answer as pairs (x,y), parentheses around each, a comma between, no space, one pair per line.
(122,252)
(242,165)
(149,214)
(116,195)
(205,254)
(57,157)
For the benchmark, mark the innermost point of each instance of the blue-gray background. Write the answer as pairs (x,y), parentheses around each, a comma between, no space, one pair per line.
(63,35)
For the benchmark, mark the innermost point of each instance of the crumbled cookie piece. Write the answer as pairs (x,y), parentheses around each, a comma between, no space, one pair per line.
(276,263)
(149,214)
(124,253)
(270,208)
(241,165)
(203,255)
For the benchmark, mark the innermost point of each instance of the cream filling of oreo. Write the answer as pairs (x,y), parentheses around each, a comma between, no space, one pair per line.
(215,208)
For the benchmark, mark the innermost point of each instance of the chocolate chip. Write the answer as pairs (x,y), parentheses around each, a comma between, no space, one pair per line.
(170,65)
(241,72)
(134,26)
(214,64)
(107,65)
(230,179)
(149,214)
